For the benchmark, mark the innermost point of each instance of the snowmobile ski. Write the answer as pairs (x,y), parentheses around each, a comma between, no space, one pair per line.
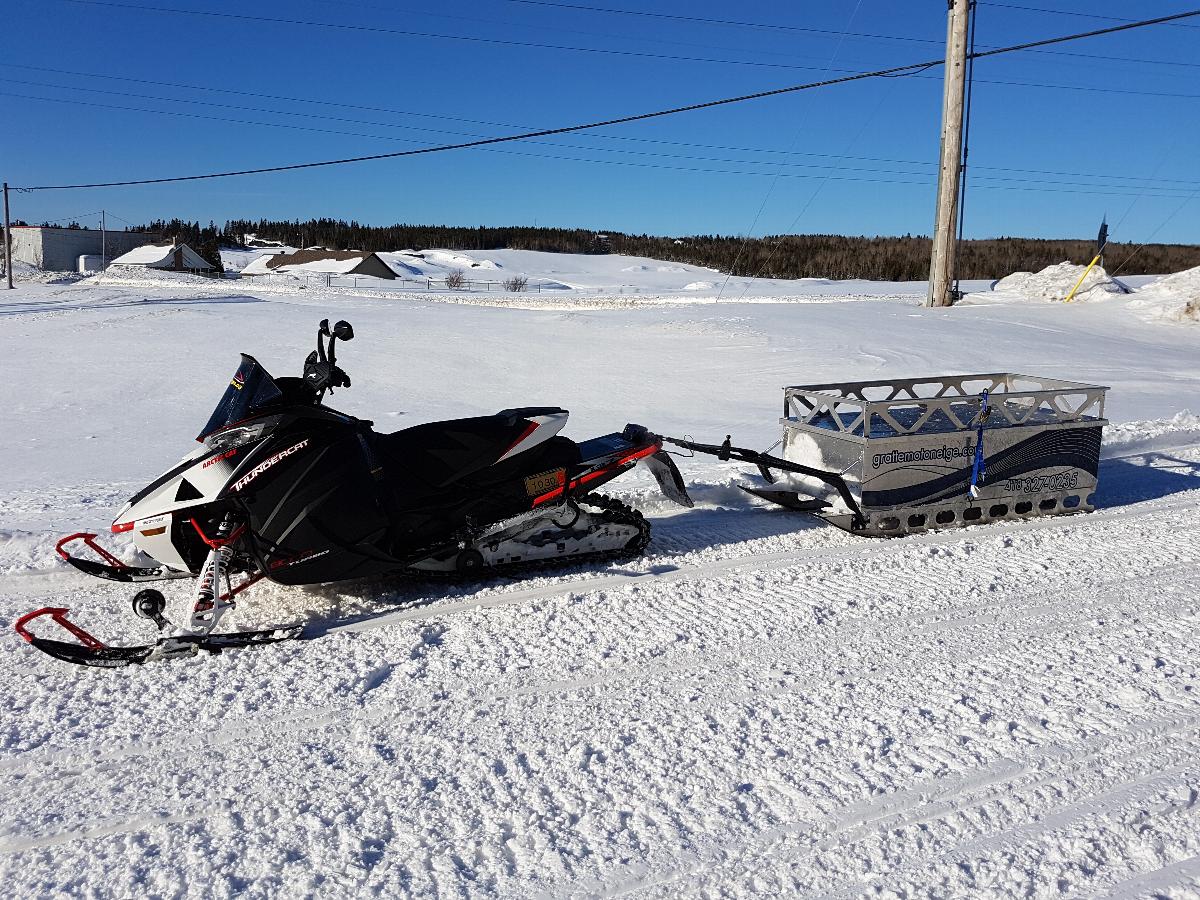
(112,568)
(89,651)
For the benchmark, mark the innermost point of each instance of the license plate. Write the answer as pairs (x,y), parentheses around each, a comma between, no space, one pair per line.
(536,485)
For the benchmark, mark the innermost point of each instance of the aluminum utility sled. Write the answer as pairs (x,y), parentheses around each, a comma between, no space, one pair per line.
(895,456)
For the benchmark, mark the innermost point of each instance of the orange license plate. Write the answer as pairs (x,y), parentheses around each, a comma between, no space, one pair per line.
(536,485)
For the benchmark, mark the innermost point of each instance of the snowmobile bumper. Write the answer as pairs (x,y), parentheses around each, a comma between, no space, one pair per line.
(112,568)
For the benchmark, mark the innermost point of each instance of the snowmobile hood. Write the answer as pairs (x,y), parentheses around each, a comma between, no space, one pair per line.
(196,479)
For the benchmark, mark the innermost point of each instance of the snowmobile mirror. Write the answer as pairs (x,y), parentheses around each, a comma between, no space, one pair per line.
(342,330)
(324,328)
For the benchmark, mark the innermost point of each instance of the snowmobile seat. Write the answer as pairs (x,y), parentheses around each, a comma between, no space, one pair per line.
(437,454)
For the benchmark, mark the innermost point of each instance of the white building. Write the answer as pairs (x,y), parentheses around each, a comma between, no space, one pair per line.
(59,249)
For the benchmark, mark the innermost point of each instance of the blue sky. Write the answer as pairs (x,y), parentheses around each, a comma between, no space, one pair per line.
(1112,131)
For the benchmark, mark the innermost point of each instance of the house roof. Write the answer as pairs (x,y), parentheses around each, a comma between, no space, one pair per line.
(336,262)
(318,261)
(161,255)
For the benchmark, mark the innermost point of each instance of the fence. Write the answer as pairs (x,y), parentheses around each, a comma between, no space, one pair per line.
(371,283)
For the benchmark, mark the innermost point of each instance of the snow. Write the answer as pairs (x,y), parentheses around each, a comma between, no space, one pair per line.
(1055,283)
(1173,297)
(160,256)
(236,260)
(762,705)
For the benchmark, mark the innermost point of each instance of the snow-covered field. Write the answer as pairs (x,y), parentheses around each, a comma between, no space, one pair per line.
(761,706)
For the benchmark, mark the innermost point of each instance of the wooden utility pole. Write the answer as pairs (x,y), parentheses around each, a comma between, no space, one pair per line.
(103,244)
(941,265)
(7,240)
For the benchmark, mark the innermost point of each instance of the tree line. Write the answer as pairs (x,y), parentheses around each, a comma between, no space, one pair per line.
(898,258)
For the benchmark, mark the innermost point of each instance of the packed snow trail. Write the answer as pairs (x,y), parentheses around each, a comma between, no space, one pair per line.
(760,706)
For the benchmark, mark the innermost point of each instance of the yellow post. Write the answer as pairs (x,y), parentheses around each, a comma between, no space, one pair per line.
(1095,260)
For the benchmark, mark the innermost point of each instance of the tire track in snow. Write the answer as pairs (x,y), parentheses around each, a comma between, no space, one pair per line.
(938,800)
(760,562)
(872,637)
(10,844)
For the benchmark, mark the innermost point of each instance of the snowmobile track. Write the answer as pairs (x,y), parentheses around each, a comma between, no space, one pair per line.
(1010,626)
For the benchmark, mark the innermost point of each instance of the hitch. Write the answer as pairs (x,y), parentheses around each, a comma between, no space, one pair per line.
(725,451)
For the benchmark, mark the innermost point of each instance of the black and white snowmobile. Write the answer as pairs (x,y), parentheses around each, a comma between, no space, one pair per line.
(285,488)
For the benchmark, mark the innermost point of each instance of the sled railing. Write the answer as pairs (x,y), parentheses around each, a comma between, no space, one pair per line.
(949,450)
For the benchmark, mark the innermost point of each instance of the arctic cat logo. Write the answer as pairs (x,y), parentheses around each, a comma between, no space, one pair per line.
(266,464)
(239,381)
(217,459)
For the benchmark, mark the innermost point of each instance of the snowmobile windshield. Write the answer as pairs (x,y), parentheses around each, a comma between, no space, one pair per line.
(250,390)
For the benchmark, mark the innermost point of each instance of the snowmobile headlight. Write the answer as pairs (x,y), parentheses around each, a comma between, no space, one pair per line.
(239,436)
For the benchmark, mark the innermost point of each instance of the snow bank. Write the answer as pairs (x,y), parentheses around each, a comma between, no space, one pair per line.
(27,274)
(1172,297)
(1054,283)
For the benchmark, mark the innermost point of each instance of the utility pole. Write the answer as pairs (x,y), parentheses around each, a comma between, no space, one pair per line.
(7,240)
(941,265)
(103,244)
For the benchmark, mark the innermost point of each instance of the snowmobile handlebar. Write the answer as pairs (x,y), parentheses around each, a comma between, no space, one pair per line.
(321,371)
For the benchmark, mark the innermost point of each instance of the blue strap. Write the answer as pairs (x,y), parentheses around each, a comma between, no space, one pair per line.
(978,470)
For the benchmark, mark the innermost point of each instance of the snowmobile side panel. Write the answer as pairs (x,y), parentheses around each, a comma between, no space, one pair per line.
(313,512)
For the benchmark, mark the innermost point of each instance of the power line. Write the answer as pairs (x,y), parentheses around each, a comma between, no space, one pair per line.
(557,29)
(1023,184)
(379,29)
(71,218)
(1077,14)
(758,63)
(1161,186)
(773,26)
(779,170)
(1163,224)
(443,117)
(894,71)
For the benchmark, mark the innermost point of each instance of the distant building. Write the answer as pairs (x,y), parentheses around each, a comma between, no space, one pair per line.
(321,262)
(254,242)
(59,249)
(177,257)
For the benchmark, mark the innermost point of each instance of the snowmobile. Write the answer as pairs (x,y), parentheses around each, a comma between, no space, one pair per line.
(284,487)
